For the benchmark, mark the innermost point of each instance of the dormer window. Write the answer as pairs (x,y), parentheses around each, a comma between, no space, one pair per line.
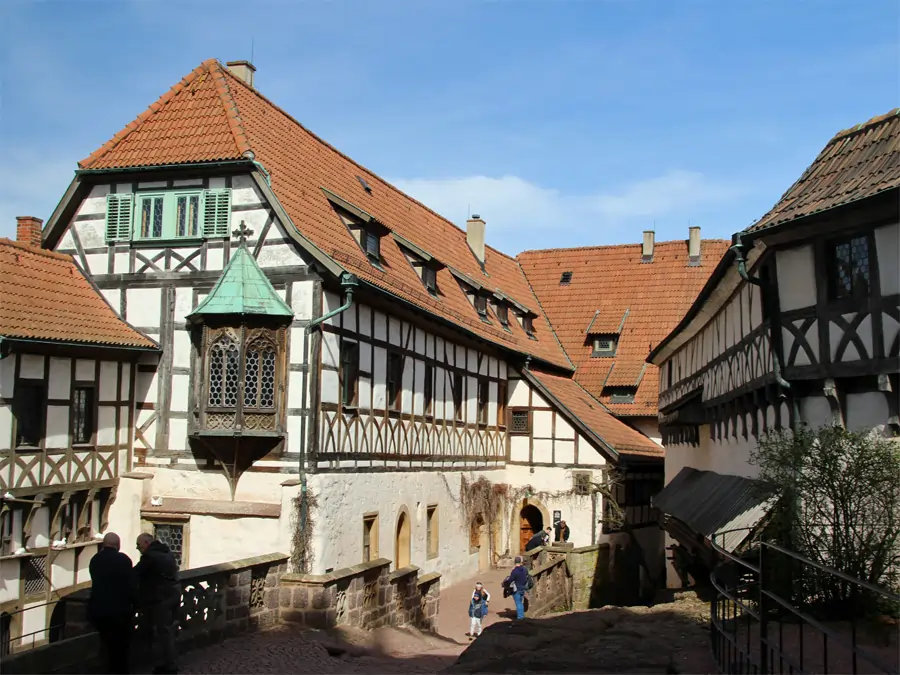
(621,394)
(481,304)
(372,246)
(604,345)
(502,311)
(565,279)
(528,324)
(429,278)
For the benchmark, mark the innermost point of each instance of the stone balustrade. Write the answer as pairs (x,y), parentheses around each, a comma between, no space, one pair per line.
(366,596)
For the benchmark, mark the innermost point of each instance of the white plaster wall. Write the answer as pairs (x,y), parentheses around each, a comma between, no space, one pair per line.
(576,510)
(9,579)
(125,514)
(796,277)
(649,426)
(887,241)
(343,500)
(215,540)
(252,487)
(866,411)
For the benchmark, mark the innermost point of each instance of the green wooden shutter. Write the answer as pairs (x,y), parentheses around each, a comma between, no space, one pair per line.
(216,212)
(119,211)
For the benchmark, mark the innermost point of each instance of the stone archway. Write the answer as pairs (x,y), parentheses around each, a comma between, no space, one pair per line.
(402,541)
(529,518)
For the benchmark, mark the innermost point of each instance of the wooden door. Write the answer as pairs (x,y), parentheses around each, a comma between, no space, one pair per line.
(526,533)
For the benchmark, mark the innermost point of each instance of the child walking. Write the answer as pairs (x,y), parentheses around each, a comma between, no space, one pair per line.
(478,609)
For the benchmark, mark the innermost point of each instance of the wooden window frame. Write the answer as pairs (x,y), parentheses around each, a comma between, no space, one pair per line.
(513,412)
(502,395)
(150,525)
(91,413)
(501,309)
(428,387)
(834,293)
(458,394)
(634,496)
(579,487)
(210,223)
(621,395)
(349,373)
(370,537)
(19,404)
(480,301)
(528,324)
(429,278)
(394,384)
(432,531)
(373,253)
(483,399)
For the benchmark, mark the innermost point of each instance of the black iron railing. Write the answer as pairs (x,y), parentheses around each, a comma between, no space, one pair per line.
(768,614)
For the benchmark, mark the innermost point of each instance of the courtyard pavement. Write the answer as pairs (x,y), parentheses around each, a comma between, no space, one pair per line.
(290,649)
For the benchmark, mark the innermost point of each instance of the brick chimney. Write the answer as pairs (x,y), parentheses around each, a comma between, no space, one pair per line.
(694,246)
(28,230)
(242,70)
(647,248)
(475,236)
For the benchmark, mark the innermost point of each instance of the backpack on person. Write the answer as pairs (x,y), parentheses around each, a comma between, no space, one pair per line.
(529,582)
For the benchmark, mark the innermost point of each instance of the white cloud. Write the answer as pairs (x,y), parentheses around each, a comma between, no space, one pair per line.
(513,204)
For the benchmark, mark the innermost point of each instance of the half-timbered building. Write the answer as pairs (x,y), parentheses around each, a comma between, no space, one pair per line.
(68,367)
(798,324)
(334,353)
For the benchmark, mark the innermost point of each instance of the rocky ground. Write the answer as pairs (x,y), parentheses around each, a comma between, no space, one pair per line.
(666,638)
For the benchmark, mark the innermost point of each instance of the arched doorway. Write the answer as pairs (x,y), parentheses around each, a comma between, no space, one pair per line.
(531,521)
(401,548)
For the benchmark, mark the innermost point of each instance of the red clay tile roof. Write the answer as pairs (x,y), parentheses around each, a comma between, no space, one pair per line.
(43,296)
(212,115)
(857,163)
(613,280)
(594,415)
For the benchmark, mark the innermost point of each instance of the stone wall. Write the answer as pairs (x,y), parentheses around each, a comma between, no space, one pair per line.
(366,596)
(552,590)
(217,601)
(589,567)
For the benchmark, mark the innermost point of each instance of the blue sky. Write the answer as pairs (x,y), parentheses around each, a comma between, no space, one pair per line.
(562,123)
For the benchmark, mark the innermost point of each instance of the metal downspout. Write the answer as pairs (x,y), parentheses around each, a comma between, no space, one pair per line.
(349,283)
(778,367)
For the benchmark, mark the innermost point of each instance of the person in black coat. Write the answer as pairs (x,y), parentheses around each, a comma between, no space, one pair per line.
(111,605)
(159,596)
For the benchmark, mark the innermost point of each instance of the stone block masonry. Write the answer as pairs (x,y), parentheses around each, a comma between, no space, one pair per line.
(365,596)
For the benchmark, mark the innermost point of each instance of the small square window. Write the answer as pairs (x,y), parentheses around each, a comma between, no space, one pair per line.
(34,574)
(604,346)
(581,483)
(520,422)
(172,535)
(622,394)
(565,279)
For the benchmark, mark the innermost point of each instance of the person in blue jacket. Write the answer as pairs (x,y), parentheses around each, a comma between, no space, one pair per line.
(478,609)
(517,580)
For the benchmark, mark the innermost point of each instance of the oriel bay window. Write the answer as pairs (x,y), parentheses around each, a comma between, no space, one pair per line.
(243,377)
(240,350)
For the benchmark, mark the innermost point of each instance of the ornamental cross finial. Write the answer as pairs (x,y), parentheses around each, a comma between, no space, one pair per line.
(242,232)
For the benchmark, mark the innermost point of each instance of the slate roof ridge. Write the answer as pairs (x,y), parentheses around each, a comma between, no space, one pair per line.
(864,126)
(154,108)
(34,250)
(356,163)
(595,247)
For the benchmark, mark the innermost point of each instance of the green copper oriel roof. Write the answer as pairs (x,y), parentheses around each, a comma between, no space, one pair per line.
(242,289)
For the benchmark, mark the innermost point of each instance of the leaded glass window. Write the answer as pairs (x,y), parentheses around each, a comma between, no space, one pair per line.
(224,367)
(259,375)
(187,216)
(151,216)
(850,261)
(172,535)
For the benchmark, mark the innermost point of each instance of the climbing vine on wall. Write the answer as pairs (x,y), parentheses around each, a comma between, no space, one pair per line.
(494,502)
(303,525)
